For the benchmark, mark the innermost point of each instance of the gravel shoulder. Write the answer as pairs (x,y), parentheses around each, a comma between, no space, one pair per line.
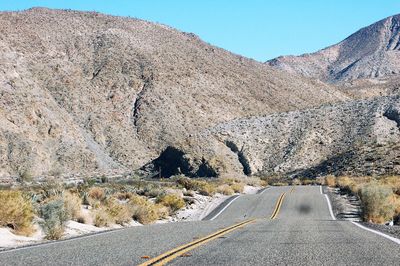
(348,207)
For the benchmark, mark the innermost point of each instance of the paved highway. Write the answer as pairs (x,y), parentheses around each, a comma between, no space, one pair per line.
(281,226)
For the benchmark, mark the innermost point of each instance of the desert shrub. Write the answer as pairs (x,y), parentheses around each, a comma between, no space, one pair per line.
(16,211)
(203,187)
(237,187)
(296,182)
(143,210)
(345,183)
(393,182)
(310,182)
(25,176)
(376,202)
(154,193)
(206,189)
(101,218)
(225,190)
(72,205)
(124,195)
(330,181)
(280,184)
(162,211)
(252,181)
(172,201)
(54,217)
(97,193)
(118,212)
(186,182)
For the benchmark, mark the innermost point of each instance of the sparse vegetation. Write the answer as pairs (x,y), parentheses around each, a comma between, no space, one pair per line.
(16,211)
(172,201)
(225,190)
(143,210)
(379,198)
(118,212)
(54,217)
(72,205)
(330,180)
(377,202)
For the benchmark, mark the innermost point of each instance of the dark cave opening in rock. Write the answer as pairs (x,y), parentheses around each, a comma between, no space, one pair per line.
(205,170)
(172,162)
(241,156)
(393,115)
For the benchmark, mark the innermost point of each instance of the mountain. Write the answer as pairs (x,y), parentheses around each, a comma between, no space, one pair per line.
(372,54)
(86,93)
(351,138)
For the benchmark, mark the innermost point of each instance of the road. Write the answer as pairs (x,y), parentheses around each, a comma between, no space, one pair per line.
(302,232)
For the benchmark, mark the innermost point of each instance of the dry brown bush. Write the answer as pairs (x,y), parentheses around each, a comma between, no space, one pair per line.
(377,202)
(172,201)
(16,211)
(225,190)
(97,193)
(330,181)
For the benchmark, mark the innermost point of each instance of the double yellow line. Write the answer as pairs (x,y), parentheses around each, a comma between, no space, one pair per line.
(278,206)
(181,250)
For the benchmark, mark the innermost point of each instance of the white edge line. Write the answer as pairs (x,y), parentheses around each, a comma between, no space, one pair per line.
(330,207)
(396,240)
(223,209)
(264,190)
(320,189)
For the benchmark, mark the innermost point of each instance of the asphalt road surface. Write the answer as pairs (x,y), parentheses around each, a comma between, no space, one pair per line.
(301,232)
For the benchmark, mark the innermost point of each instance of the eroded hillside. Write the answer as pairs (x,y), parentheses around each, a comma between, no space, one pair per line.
(83,92)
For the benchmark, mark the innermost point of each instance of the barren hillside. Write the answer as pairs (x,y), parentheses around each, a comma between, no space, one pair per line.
(83,92)
(372,53)
(356,138)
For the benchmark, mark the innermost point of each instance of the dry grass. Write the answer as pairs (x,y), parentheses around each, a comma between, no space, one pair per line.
(225,190)
(101,218)
(346,184)
(393,182)
(16,212)
(72,205)
(143,210)
(97,193)
(118,212)
(377,202)
(237,187)
(172,201)
(330,181)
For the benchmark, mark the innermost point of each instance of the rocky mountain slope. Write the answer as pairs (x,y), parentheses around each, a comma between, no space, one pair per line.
(357,138)
(82,92)
(372,53)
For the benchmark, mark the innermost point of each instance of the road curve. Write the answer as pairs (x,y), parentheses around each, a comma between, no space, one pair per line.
(302,233)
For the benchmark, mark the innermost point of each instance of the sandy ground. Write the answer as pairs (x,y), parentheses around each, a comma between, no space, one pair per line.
(201,207)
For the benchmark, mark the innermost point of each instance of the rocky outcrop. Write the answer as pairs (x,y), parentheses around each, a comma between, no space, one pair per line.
(356,138)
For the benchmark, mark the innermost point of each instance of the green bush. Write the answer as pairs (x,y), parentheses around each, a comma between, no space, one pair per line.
(54,217)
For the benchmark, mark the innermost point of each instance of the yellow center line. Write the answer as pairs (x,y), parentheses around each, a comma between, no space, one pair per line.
(292,190)
(278,206)
(176,252)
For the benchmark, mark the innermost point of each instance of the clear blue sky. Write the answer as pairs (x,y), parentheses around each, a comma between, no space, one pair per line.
(260,29)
